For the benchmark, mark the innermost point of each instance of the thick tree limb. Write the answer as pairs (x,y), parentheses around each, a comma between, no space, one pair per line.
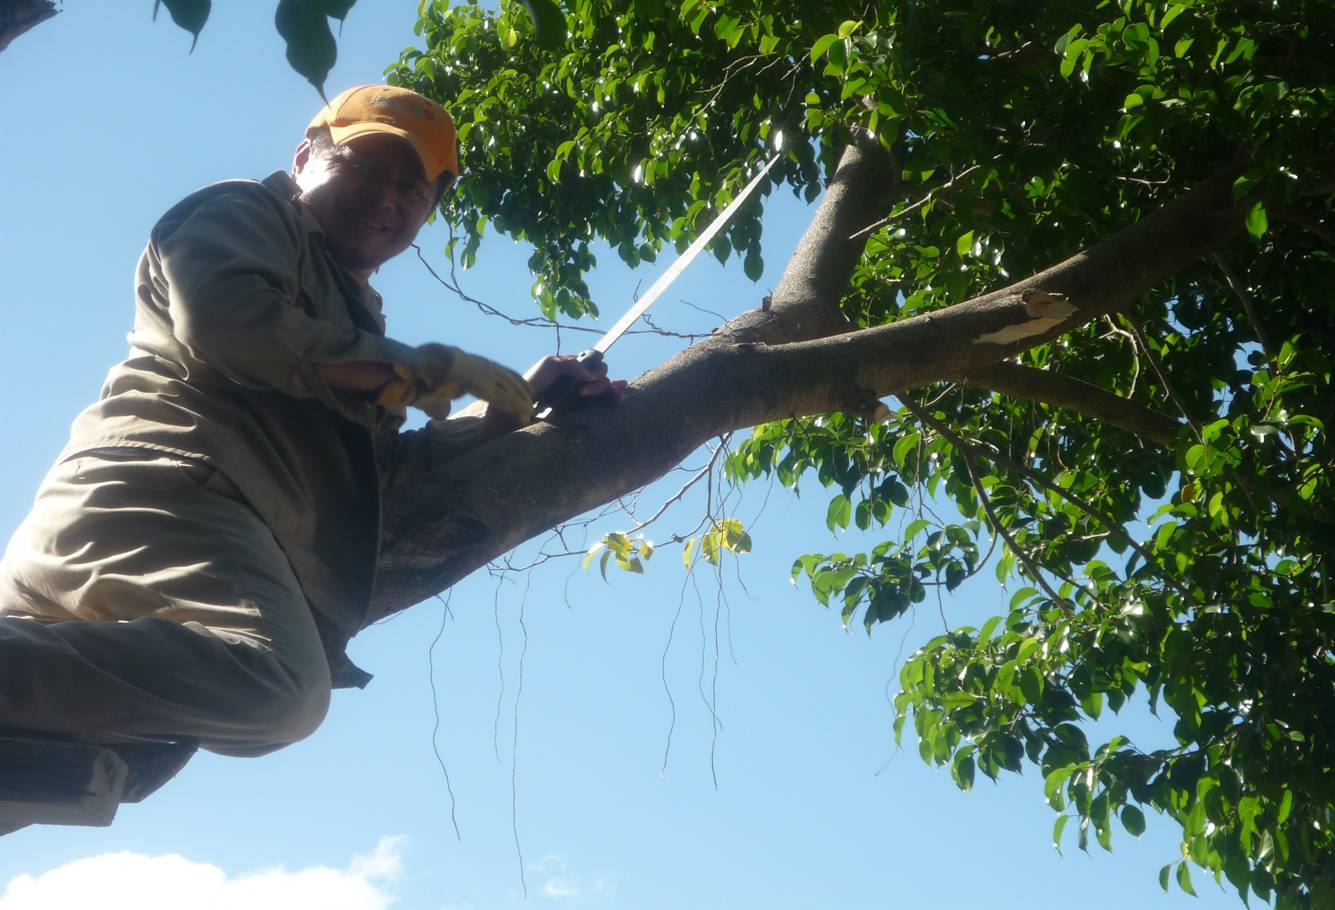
(1047,387)
(469,511)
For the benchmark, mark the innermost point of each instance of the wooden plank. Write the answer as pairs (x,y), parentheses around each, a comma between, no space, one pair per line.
(56,782)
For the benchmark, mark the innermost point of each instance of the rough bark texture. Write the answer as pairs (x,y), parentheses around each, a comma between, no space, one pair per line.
(797,358)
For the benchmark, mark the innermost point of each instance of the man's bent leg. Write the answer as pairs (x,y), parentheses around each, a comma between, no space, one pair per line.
(143,596)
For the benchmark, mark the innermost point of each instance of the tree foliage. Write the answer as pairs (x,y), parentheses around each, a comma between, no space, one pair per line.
(1188,567)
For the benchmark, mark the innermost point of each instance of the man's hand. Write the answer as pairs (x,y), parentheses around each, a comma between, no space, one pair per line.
(441,373)
(592,383)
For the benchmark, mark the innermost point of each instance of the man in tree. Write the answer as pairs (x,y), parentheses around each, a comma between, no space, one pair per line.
(207,541)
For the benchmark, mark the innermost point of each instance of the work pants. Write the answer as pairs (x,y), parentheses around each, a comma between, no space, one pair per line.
(144,597)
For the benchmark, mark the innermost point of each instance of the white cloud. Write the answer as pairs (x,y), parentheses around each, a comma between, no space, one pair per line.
(561,888)
(565,882)
(133,881)
(557,862)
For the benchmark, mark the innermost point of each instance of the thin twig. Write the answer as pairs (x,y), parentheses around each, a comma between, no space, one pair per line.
(1248,306)
(1157,366)
(435,708)
(995,455)
(915,206)
(966,453)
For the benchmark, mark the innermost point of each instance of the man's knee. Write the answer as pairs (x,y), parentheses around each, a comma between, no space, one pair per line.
(288,704)
(299,705)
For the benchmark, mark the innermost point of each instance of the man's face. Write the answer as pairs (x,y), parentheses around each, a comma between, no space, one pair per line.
(371,197)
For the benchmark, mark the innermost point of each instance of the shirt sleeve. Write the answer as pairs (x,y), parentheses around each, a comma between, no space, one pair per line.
(231,269)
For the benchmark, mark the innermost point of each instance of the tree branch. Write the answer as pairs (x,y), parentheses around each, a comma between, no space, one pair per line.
(1047,387)
(468,511)
(1307,223)
(806,302)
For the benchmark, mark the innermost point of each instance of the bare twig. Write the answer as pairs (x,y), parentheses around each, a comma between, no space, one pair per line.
(1169,389)
(915,206)
(1114,528)
(966,452)
(1240,294)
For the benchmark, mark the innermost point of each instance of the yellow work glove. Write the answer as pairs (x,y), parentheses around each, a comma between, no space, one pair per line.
(440,373)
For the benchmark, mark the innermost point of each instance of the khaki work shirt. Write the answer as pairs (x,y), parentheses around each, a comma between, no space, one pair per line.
(237,302)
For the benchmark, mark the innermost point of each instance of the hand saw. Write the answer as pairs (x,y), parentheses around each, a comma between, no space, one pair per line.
(564,387)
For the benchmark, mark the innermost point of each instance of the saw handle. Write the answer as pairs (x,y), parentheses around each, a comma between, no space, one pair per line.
(562,393)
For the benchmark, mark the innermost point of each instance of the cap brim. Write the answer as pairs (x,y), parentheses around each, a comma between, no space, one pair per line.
(344,134)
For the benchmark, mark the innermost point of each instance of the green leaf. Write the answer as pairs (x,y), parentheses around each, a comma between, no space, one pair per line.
(839,513)
(1184,878)
(1174,11)
(1257,223)
(1053,786)
(1133,820)
(963,772)
(1057,830)
(822,45)
(1132,102)
(753,265)
(188,14)
(593,551)
(311,49)
(848,27)
(1285,807)
(964,243)
(549,23)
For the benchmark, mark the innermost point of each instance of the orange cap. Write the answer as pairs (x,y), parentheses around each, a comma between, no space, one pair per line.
(399,112)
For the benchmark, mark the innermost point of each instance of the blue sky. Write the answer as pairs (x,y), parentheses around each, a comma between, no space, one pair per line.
(557,758)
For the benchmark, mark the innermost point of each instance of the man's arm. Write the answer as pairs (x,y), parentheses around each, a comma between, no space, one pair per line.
(359,376)
(231,277)
(369,377)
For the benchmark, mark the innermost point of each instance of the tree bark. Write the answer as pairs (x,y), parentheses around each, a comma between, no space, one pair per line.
(1047,387)
(797,358)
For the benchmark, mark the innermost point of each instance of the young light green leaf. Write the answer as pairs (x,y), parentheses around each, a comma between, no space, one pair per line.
(593,551)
